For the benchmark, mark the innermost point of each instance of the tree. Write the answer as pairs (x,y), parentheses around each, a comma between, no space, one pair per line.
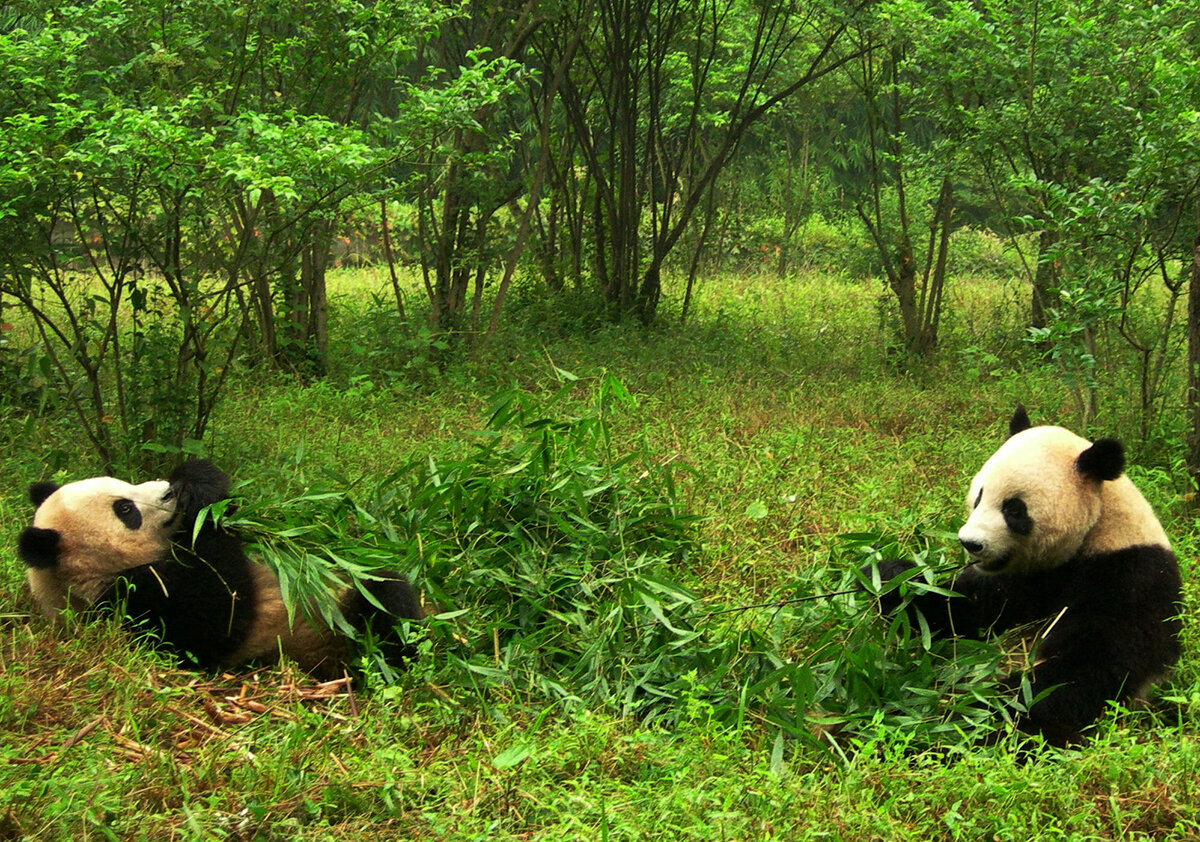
(1043,92)
(657,104)
(468,177)
(1074,118)
(170,181)
(908,176)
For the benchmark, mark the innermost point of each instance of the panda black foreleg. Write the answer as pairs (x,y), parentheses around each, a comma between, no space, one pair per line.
(185,605)
(945,615)
(1063,711)
(399,601)
(984,603)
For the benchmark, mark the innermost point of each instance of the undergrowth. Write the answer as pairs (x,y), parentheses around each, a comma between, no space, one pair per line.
(557,560)
(652,614)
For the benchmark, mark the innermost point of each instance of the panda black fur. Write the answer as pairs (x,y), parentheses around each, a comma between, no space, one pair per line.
(1060,537)
(102,543)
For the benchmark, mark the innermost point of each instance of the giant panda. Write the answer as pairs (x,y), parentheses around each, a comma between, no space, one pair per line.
(1060,538)
(104,544)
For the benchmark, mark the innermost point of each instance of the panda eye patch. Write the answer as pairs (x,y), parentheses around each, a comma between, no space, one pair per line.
(1016,516)
(978,497)
(127,513)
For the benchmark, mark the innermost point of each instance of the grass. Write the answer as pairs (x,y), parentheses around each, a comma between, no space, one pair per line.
(790,423)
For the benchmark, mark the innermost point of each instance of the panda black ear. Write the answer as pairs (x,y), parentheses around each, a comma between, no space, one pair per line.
(1104,460)
(39,547)
(198,483)
(1019,421)
(39,491)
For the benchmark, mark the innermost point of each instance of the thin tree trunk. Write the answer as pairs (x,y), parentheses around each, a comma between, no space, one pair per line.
(1194,359)
(1044,281)
(390,256)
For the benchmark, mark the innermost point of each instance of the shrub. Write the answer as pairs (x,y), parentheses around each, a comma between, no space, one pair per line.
(555,553)
(981,253)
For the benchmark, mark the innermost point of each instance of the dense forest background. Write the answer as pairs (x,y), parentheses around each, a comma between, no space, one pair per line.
(176,179)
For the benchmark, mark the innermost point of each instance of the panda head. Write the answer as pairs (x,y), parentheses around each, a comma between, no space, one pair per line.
(85,533)
(1042,497)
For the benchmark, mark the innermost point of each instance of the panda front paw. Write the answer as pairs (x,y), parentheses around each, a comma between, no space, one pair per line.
(888,569)
(892,567)
(198,483)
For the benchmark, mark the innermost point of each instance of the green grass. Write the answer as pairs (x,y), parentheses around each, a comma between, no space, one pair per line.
(789,421)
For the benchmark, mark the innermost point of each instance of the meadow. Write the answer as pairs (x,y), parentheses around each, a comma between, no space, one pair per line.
(708,485)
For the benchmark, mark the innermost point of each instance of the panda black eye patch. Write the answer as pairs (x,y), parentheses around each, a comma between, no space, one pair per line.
(1016,516)
(127,513)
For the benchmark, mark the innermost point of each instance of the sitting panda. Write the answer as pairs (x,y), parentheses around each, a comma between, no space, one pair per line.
(1059,537)
(102,543)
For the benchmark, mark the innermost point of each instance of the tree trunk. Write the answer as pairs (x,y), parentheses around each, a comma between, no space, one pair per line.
(390,256)
(904,284)
(1044,282)
(935,267)
(1193,397)
(313,264)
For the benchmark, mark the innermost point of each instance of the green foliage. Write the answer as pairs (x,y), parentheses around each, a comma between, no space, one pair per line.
(373,347)
(981,253)
(547,550)
(884,676)
(557,559)
(171,182)
(753,242)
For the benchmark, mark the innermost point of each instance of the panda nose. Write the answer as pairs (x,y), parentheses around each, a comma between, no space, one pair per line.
(973,547)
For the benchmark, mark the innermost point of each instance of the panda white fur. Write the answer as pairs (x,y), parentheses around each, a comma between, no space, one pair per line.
(102,543)
(1058,536)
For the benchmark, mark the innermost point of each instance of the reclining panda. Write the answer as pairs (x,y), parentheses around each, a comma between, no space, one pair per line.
(1060,537)
(104,544)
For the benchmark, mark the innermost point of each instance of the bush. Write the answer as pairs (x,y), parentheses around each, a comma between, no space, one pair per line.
(981,253)
(555,554)
(836,247)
